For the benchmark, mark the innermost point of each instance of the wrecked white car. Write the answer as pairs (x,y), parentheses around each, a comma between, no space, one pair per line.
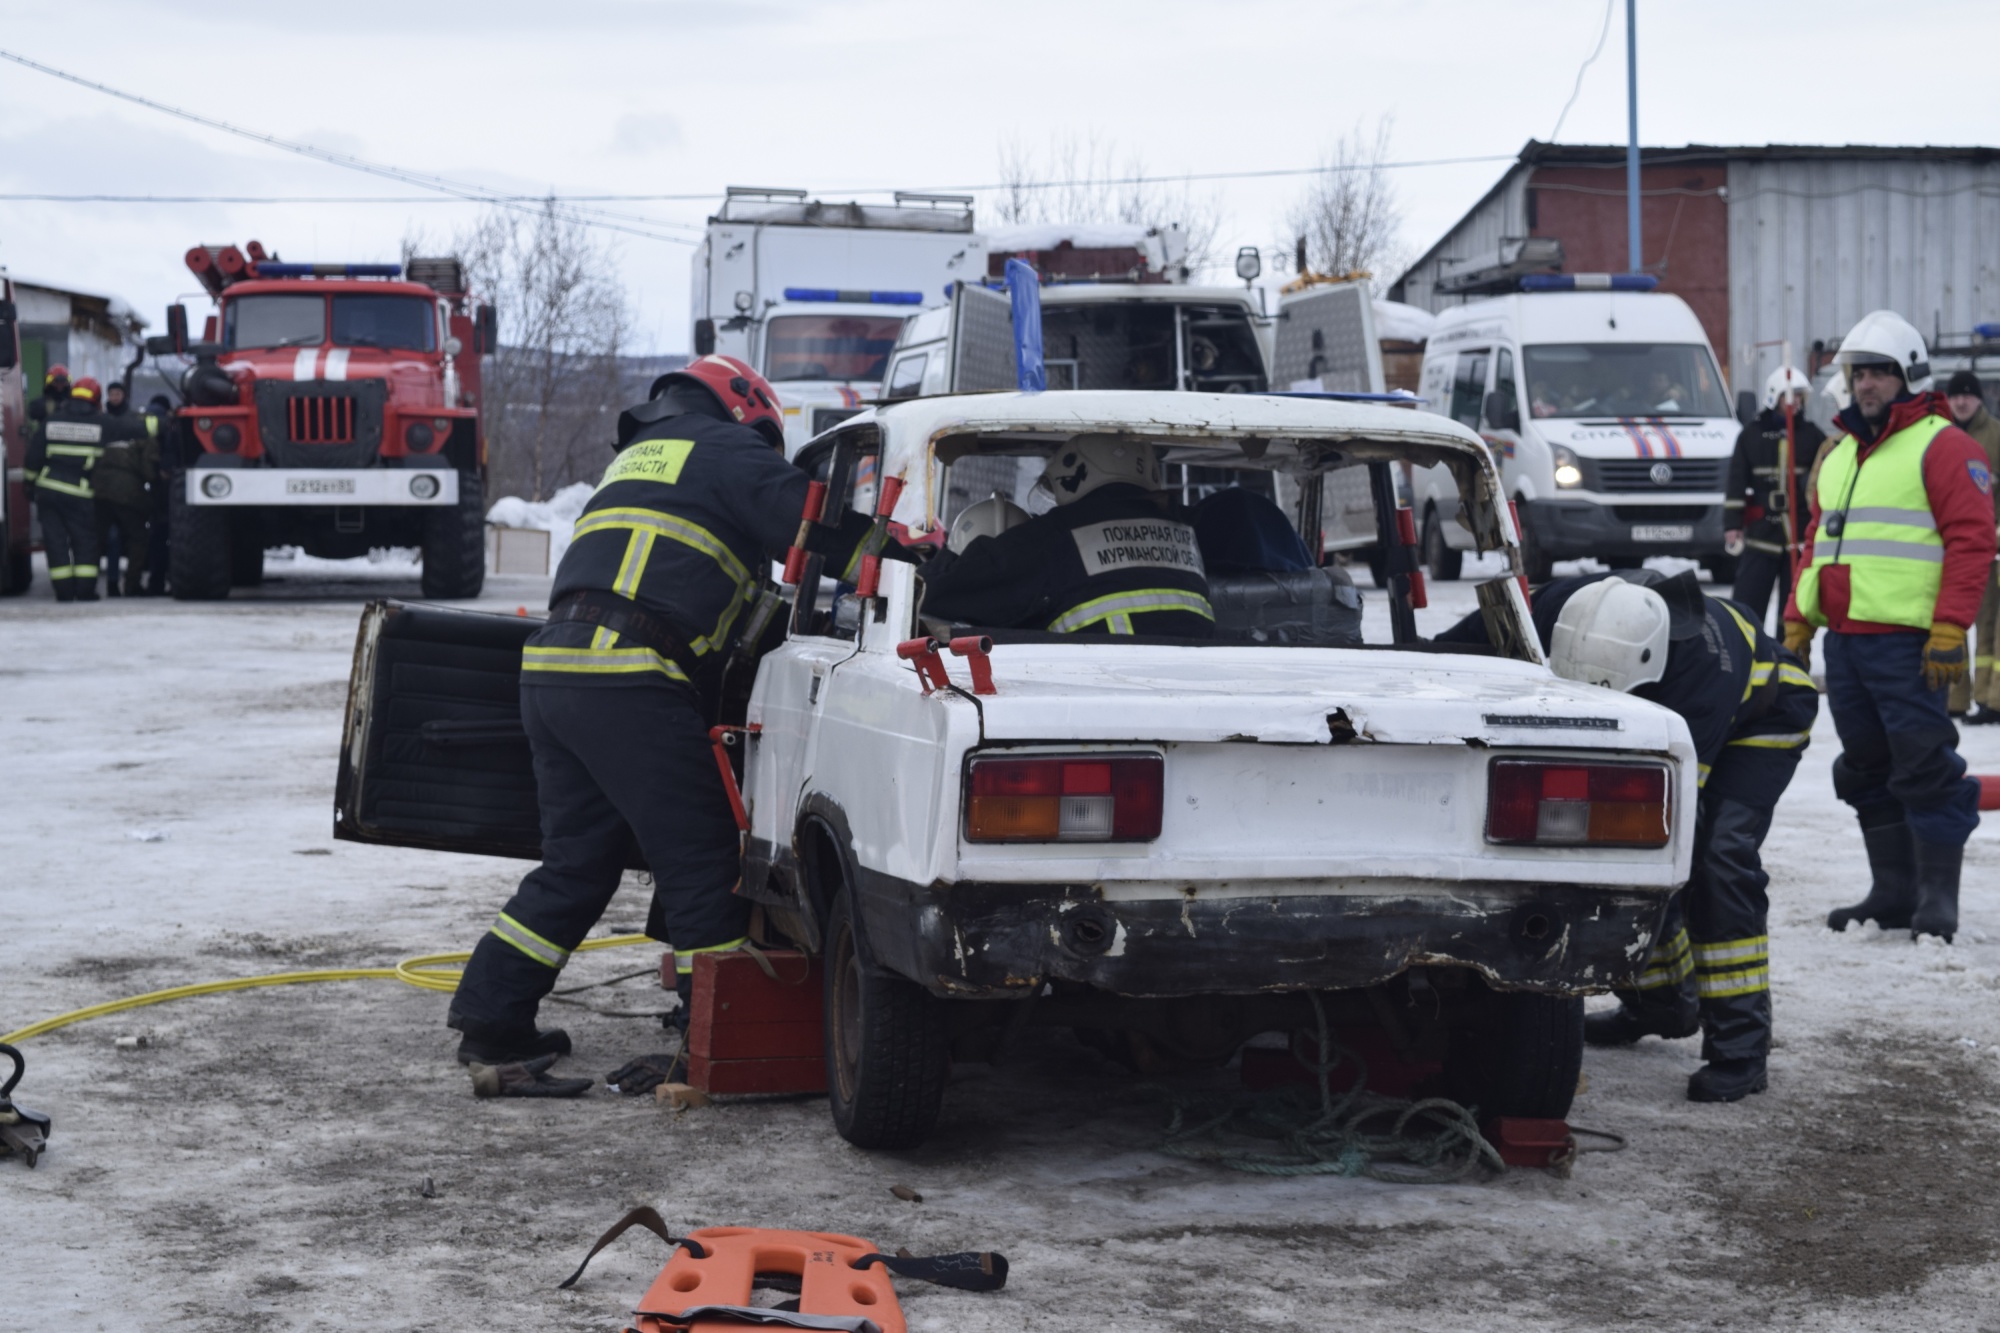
(1167,846)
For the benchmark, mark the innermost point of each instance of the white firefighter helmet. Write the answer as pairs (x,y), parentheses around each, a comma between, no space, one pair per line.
(989,518)
(1835,389)
(1784,380)
(1092,460)
(1884,337)
(1612,633)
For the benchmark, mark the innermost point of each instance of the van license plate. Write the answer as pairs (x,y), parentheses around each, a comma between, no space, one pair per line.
(1663,532)
(319,486)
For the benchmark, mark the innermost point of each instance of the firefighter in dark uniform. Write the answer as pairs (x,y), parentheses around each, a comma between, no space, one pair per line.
(1760,494)
(130,463)
(62,455)
(55,392)
(1749,706)
(1108,560)
(665,558)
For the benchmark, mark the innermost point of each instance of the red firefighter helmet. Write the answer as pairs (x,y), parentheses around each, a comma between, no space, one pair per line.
(58,371)
(87,387)
(747,396)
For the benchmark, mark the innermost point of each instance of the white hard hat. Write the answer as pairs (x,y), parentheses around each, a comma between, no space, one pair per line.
(1612,633)
(1883,336)
(989,518)
(1784,380)
(1835,389)
(1090,461)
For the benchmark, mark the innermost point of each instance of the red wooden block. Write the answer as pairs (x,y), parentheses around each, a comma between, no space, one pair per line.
(1524,1142)
(731,988)
(758,1076)
(757,1041)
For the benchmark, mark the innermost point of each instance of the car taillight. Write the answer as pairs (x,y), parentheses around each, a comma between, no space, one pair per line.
(1065,798)
(1568,804)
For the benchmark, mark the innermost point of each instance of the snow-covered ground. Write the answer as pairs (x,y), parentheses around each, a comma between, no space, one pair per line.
(260,1164)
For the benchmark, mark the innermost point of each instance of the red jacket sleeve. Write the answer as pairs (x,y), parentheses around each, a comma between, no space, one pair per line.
(1960,485)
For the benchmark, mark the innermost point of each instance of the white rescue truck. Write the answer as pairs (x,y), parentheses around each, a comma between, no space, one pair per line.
(814,294)
(983,830)
(1603,406)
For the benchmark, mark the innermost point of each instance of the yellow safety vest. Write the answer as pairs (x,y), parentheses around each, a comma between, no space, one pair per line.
(1876,519)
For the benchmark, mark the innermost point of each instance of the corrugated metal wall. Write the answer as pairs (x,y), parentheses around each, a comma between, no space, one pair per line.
(1501,216)
(1814,244)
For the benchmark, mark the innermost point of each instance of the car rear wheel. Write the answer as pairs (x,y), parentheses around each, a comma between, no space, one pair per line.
(887,1051)
(1519,1056)
(455,543)
(198,553)
(1440,559)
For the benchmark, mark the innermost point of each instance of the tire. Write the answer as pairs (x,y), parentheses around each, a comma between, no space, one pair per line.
(1377,560)
(887,1049)
(1441,560)
(198,552)
(1536,562)
(1520,1056)
(455,543)
(18,571)
(246,551)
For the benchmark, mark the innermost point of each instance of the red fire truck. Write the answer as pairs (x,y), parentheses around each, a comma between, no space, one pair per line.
(16,527)
(331,407)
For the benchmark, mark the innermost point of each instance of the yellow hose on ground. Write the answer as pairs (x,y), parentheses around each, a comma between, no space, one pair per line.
(431,971)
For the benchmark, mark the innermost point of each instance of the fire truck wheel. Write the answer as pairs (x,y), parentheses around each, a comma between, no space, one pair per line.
(455,542)
(19,572)
(246,552)
(197,550)
(1441,560)
(1518,1055)
(887,1051)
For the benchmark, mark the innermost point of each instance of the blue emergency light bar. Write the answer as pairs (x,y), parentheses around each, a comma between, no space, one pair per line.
(1987,330)
(855,298)
(272,269)
(1589,282)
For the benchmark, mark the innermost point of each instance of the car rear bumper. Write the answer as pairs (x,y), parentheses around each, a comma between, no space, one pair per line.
(987,940)
(324,486)
(1570,529)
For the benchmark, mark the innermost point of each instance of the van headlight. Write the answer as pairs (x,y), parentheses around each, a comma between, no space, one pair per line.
(1569,475)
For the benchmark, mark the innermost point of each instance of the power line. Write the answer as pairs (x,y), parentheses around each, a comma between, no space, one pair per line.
(1595,51)
(441,184)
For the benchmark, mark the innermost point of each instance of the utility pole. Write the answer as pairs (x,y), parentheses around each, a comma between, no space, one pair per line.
(1632,135)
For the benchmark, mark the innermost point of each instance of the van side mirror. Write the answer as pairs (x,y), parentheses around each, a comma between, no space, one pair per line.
(177,328)
(1501,411)
(486,330)
(1746,406)
(10,345)
(704,337)
(160,344)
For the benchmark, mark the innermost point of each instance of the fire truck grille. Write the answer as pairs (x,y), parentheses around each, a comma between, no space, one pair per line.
(318,420)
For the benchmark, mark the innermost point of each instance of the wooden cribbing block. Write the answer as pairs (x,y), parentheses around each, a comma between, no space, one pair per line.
(748,1033)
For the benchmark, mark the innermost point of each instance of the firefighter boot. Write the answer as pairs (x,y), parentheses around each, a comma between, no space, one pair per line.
(1892,860)
(481,1045)
(1728,1080)
(1938,866)
(1669,1012)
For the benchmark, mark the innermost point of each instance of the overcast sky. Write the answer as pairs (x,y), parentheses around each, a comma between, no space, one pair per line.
(653,96)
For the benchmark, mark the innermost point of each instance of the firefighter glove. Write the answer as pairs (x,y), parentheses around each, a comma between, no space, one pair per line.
(527,1079)
(1944,655)
(1798,641)
(641,1074)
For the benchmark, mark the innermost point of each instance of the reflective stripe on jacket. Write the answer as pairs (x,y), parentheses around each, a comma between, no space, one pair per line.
(1888,536)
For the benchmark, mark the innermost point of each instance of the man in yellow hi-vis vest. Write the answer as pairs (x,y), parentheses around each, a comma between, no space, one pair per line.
(1897,558)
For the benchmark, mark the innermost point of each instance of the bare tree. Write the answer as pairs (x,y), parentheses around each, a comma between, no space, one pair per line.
(551,390)
(1085,181)
(1348,218)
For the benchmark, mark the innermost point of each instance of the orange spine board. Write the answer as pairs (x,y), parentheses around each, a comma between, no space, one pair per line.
(823,1263)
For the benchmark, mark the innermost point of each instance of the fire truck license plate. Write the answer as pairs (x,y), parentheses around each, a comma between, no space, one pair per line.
(319,486)
(1662,532)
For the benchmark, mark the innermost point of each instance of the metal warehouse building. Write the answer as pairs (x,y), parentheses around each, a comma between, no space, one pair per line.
(1765,244)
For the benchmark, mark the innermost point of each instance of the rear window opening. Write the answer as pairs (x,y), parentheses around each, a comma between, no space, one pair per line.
(1151,346)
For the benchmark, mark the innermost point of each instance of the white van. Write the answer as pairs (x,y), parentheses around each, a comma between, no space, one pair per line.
(1605,411)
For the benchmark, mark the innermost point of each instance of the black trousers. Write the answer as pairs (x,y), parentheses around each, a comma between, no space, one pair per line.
(1899,759)
(69,536)
(129,522)
(1714,946)
(611,764)
(1757,573)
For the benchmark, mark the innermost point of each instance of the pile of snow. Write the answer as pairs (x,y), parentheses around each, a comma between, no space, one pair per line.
(556,515)
(1396,322)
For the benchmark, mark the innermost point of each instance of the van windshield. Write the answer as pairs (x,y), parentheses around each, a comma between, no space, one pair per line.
(1623,380)
(829,347)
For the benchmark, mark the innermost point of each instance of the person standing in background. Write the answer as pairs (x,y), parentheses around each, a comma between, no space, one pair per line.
(128,465)
(1976,698)
(1761,493)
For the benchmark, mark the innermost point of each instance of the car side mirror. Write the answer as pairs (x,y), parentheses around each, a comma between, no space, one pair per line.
(10,345)
(160,344)
(177,328)
(704,337)
(1501,411)
(1746,406)
(486,330)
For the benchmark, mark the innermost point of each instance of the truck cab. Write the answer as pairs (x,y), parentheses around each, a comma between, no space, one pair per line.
(333,407)
(814,294)
(1605,410)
